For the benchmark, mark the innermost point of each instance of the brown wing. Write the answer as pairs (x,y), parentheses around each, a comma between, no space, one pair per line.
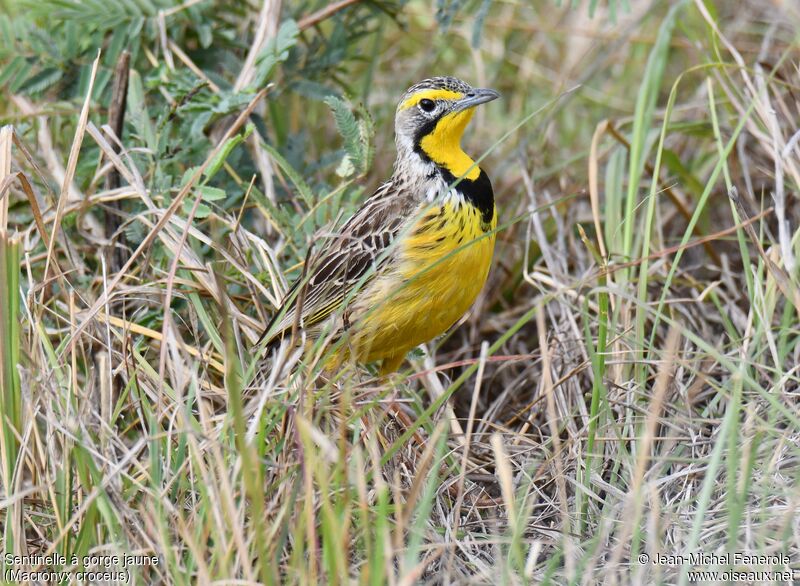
(348,260)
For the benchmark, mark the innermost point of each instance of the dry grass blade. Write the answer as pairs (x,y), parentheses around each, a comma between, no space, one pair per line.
(783,280)
(634,501)
(594,190)
(555,435)
(116,120)
(6,133)
(71,165)
(173,207)
(323,13)
(268,21)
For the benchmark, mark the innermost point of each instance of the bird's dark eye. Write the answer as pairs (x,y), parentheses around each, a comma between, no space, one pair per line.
(427,105)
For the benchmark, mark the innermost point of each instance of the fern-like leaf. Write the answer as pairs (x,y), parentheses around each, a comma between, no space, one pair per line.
(356,133)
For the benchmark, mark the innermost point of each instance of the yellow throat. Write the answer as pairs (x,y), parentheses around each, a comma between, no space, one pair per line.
(443,145)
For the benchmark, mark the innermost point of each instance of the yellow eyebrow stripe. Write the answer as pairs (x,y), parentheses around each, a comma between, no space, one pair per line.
(429,95)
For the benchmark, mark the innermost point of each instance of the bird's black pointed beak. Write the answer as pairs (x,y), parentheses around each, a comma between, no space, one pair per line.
(476,97)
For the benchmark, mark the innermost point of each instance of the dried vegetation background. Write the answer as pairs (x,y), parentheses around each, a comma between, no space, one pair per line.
(626,385)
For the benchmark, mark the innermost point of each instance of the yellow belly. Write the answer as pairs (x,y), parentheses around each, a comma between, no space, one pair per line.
(443,265)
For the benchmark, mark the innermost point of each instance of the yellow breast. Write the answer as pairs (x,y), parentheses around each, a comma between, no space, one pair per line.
(443,265)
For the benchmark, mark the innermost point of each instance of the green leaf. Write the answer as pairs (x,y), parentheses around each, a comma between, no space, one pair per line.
(218,160)
(274,52)
(187,175)
(101,14)
(40,81)
(7,35)
(205,34)
(687,179)
(209,193)
(347,125)
(477,28)
(202,211)
(345,168)
(356,133)
(291,172)
(138,114)
(13,69)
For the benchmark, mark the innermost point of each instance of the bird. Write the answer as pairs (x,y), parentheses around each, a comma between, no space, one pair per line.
(410,262)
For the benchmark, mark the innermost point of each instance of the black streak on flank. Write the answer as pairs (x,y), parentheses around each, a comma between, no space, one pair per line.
(422,227)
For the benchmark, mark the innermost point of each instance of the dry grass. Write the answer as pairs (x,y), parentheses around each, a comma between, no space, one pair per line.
(627,384)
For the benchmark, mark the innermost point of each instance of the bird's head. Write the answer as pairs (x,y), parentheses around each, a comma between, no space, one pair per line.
(430,121)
